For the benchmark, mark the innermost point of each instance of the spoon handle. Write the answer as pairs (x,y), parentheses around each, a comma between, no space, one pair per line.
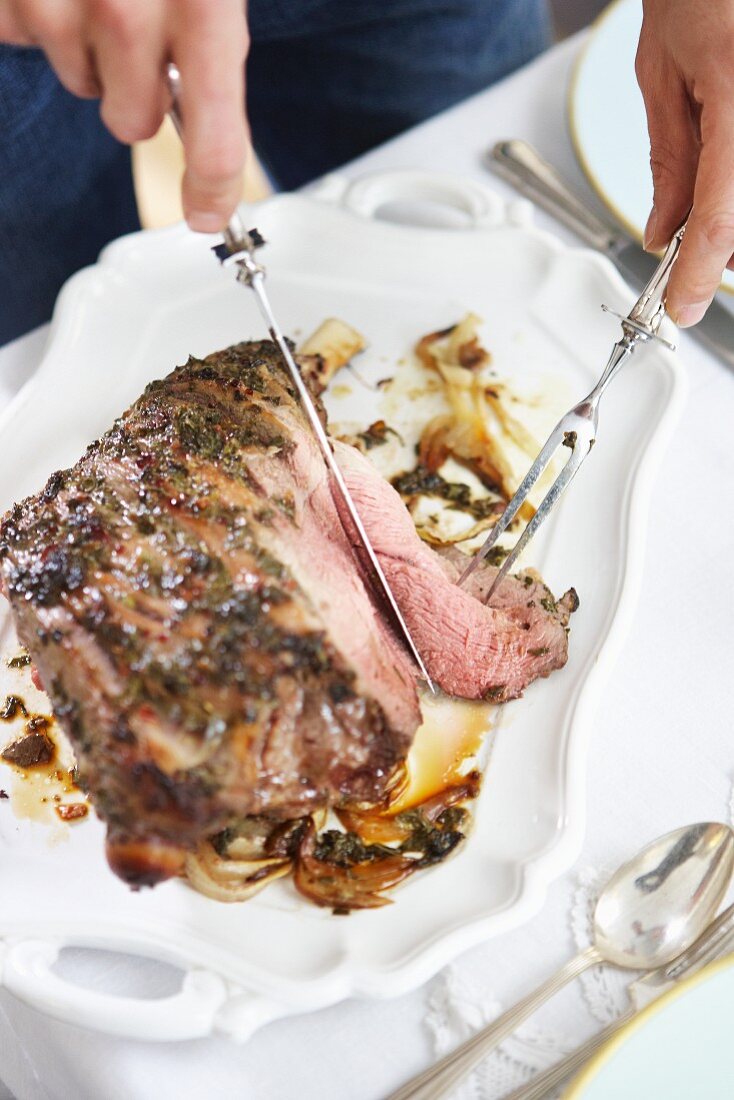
(440,1078)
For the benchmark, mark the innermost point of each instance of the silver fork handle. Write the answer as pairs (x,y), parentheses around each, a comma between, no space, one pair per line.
(649,309)
(440,1078)
(522,166)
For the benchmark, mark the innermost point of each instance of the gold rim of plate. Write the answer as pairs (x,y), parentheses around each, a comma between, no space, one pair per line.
(586,1076)
(632,230)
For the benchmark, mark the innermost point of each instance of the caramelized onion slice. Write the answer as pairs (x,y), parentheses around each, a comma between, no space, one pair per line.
(330,347)
(382,827)
(361,866)
(479,426)
(223,879)
(343,888)
(246,840)
(434,539)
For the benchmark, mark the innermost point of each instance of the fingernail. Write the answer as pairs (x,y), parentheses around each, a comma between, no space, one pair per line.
(691,314)
(649,234)
(203,221)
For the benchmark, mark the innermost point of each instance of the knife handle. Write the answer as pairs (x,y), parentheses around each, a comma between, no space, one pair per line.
(523,167)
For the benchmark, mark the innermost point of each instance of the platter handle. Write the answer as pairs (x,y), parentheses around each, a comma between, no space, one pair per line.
(479,204)
(204,1004)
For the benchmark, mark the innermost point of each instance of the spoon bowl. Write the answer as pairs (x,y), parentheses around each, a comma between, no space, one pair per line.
(660,901)
(651,909)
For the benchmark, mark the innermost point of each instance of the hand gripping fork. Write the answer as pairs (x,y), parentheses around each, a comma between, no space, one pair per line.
(577,429)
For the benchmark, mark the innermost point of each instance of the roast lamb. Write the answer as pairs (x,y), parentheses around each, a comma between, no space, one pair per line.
(191,604)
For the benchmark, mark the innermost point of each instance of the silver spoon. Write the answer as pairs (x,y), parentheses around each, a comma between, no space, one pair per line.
(650,910)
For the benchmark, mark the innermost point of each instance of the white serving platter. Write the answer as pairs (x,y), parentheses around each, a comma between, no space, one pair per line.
(155,297)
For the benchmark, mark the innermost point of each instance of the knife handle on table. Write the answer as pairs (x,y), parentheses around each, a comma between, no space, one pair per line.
(519,164)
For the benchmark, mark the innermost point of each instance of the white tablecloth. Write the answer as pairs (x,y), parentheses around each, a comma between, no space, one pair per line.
(662,754)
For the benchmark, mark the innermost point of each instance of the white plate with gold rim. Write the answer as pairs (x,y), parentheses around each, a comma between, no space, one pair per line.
(677,1048)
(152,299)
(608,123)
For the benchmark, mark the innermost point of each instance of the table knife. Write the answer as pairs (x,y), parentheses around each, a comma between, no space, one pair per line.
(519,164)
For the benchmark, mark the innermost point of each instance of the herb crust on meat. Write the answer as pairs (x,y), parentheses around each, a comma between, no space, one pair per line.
(166,591)
(193,607)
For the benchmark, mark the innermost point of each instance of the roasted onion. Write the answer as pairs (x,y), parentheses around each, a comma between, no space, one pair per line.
(327,350)
(226,879)
(343,887)
(479,429)
(352,869)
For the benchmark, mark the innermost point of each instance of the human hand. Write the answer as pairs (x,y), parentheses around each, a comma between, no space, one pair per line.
(685,69)
(117,50)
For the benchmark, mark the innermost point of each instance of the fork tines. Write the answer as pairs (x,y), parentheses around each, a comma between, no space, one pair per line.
(571,431)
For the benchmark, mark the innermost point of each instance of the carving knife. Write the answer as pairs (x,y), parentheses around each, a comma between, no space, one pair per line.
(519,164)
(238,250)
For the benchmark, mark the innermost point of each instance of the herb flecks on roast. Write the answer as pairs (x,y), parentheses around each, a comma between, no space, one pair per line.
(190,600)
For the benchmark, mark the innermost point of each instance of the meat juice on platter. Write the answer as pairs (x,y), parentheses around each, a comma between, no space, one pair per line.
(42,781)
(192,606)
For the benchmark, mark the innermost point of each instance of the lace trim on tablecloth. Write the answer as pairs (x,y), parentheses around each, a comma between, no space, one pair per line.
(457,1007)
(603,988)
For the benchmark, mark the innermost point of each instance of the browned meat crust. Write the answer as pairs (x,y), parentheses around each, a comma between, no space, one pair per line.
(194,612)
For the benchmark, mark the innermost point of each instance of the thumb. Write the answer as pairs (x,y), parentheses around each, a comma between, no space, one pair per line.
(674,149)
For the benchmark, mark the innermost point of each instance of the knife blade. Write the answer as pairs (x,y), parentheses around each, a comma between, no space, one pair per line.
(519,164)
(252,274)
(238,248)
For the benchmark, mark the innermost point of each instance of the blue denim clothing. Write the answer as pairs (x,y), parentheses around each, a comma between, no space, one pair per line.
(65,188)
(327,80)
(361,71)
